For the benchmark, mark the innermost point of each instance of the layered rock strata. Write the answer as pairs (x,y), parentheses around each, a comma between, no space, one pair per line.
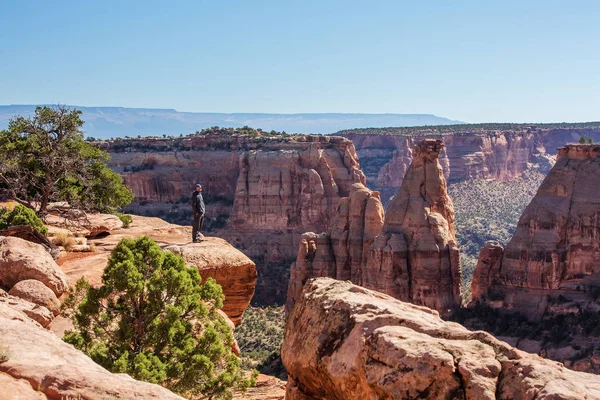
(472,151)
(261,193)
(343,341)
(555,250)
(412,256)
(341,254)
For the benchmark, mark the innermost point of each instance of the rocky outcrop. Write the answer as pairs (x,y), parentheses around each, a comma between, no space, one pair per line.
(21,260)
(86,224)
(36,312)
(472,151)
(261,193)
(555,250)
(38,293)
(416,257)
(235,272)
(343,341)
(411,255)
(213,257)
(35,360)
(341,254)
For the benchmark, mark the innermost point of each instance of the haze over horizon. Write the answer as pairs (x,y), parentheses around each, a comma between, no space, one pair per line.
(465,61)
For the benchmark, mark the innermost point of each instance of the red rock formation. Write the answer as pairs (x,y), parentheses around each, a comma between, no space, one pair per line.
(556,246)
(412,256)
(480,153)
(236,273)
(213,257)
(346,342)
(269,190)
(21,260)
(341,254)
(416,257)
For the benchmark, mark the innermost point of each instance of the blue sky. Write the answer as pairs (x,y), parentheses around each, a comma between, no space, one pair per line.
(476,61)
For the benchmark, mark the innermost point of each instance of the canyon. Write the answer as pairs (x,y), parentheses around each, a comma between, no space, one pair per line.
(264,190)
(473,151)
(556,247)
(261,192)
(410,254)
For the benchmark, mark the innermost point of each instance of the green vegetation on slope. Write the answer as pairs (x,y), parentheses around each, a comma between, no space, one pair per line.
(260,336)
(21,215)
(488,210)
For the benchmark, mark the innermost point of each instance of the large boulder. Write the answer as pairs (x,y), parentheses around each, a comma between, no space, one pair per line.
(236,273)
(346,342)
(21,260)
(38,293)
(56,369)
(36,312)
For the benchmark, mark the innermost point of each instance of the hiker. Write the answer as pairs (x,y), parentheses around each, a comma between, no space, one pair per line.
(198,208)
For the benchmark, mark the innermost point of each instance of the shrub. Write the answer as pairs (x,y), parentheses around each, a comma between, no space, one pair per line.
(21,215)
(126,219)
(153,320)
(64,240)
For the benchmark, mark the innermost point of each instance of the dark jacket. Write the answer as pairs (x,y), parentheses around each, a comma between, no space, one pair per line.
(197,203)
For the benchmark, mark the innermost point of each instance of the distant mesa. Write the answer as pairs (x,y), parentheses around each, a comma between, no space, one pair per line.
(106,122)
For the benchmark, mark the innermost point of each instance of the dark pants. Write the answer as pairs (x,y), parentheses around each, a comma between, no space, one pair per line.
(197,226)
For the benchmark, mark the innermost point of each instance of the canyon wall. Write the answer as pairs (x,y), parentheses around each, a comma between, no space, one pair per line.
(261,193)
(411,254)
(346,342)
(555,250)
(472,151)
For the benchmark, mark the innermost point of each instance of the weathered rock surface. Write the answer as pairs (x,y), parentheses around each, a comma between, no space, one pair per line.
(21,260)
(38,293)
(17,389)
(556,247)
(235,272)
(55,369)
(213,257)
(343,341)
(480,153)
(86,224)
(416,257)
(411,255)
(37,313)
(264,191)
(341,254)
(267,388)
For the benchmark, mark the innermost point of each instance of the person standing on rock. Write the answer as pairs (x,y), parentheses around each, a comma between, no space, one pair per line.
(198,208)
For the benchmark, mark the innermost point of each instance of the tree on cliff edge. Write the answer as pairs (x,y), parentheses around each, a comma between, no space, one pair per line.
(44,158)
(153,320)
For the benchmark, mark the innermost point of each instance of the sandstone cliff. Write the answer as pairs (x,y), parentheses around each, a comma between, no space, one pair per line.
(343,341)
(411,254)
(261,193)
(472,151)
(555,250)
(416,257)
(342,253)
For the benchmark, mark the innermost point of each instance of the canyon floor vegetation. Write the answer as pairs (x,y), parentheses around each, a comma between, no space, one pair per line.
(488,210)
